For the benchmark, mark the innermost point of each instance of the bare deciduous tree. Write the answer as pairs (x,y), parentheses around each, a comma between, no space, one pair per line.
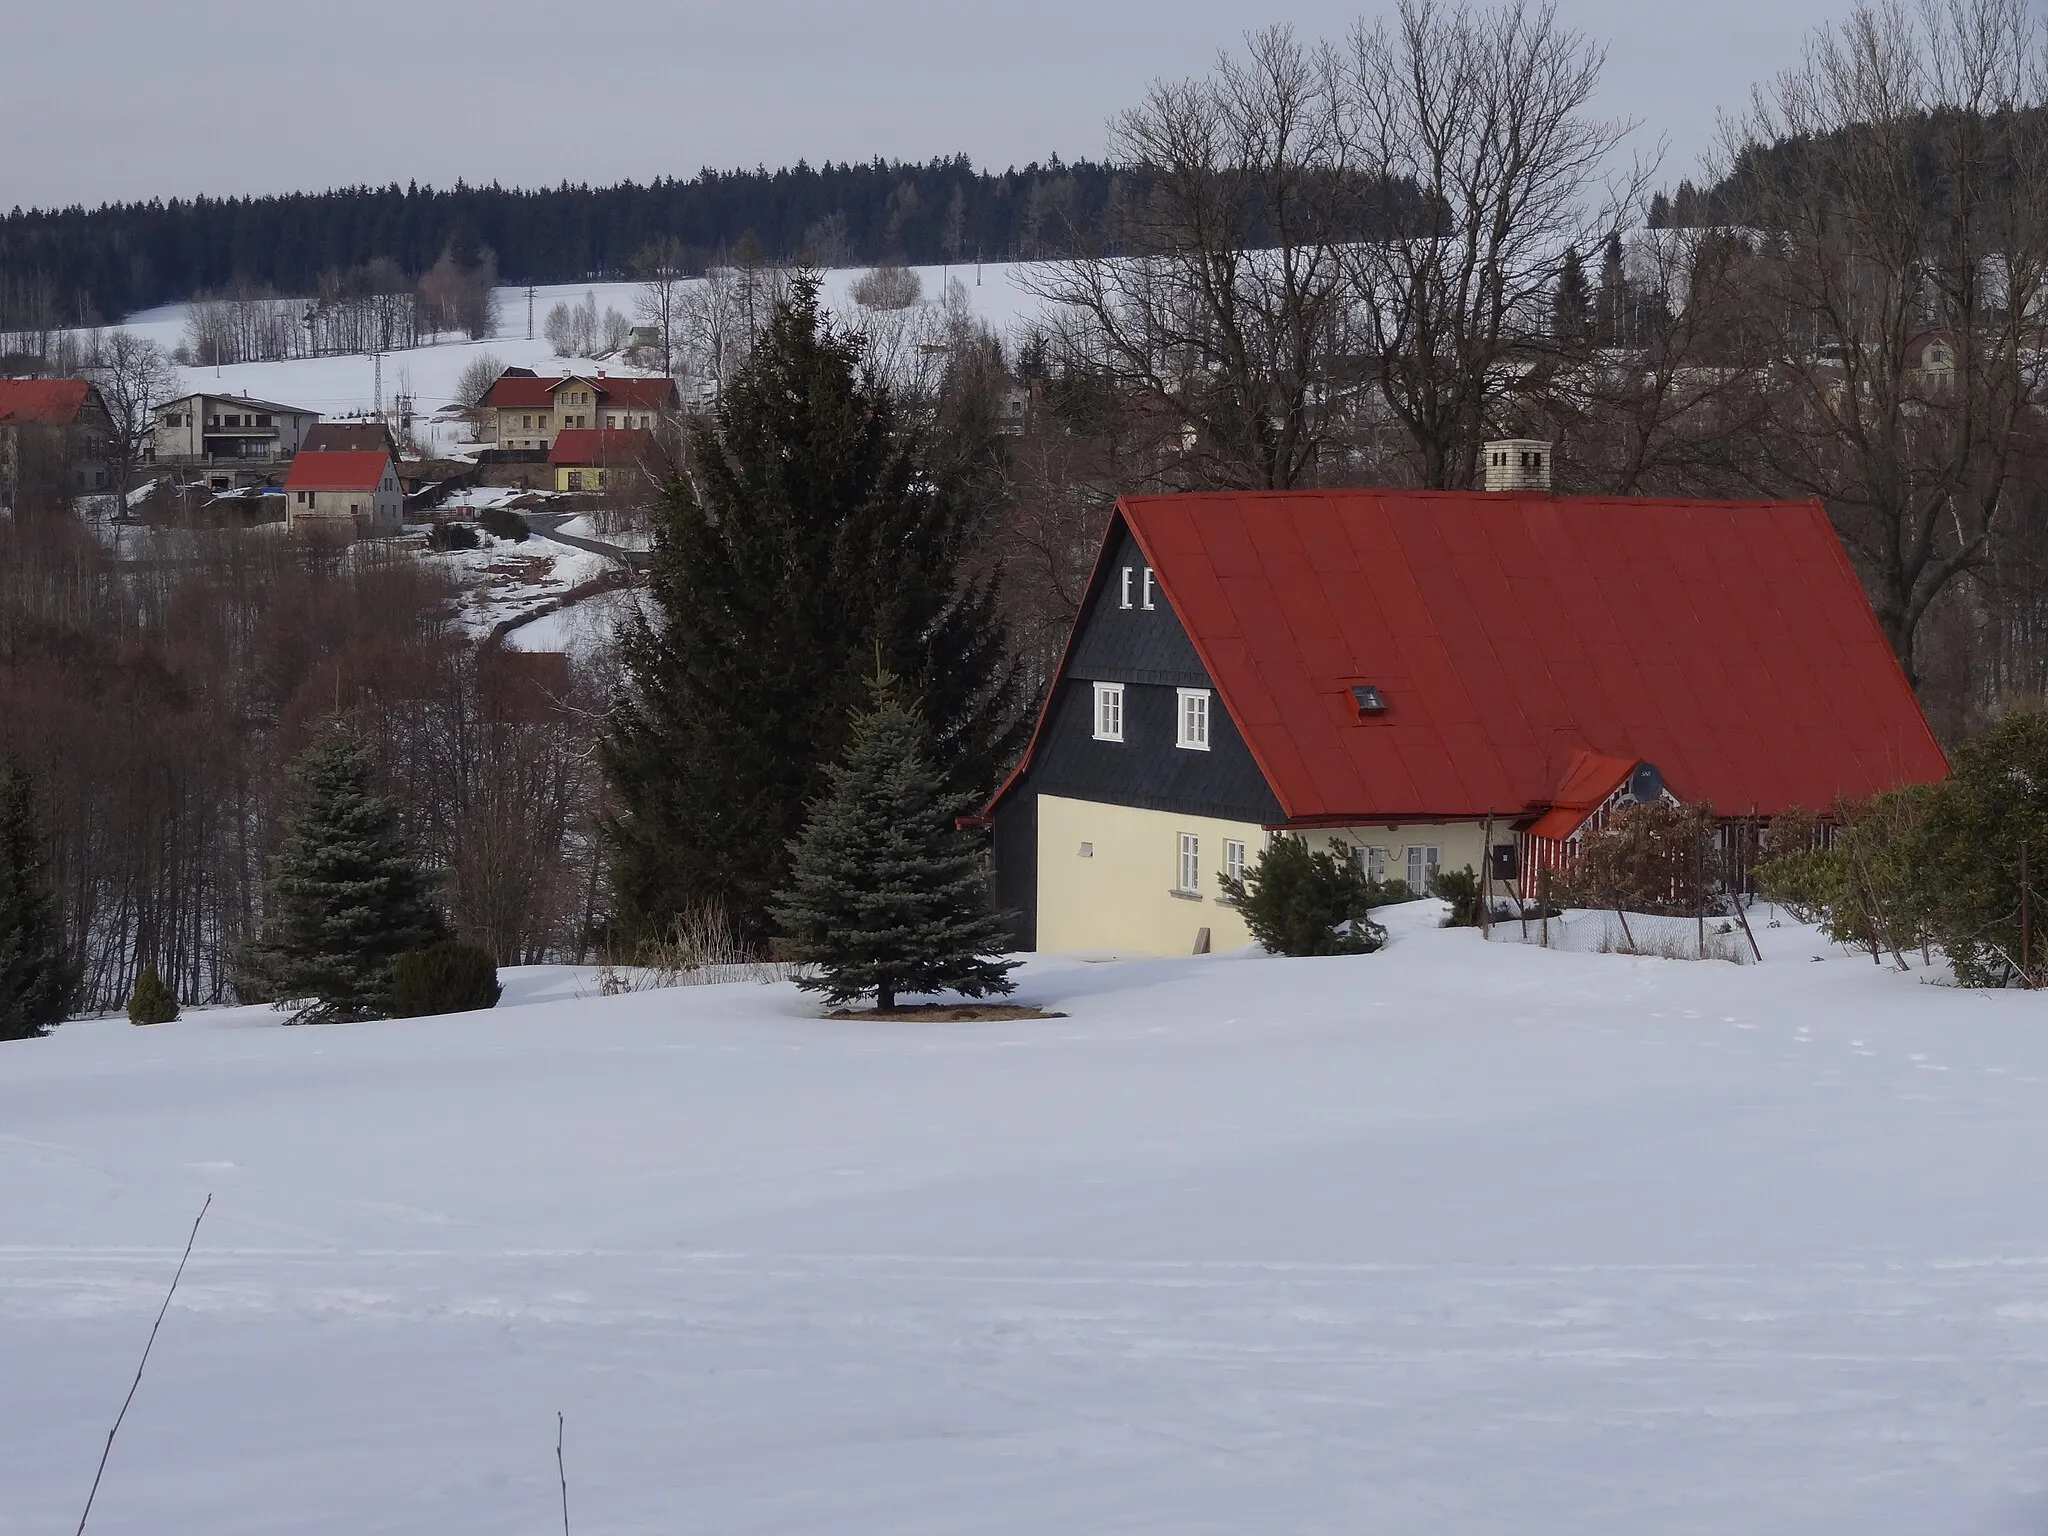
(1474,138)
(664,277)
(1905,210)
(1219,297)
(133,375)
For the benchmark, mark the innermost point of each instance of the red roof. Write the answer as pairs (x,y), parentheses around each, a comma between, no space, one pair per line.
(515,393)
(593,447)
(654,394)
(328,471)
(1526,645)
(521,392)
(52,402)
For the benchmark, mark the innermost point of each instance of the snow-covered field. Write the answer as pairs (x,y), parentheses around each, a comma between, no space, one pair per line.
(1453,1238)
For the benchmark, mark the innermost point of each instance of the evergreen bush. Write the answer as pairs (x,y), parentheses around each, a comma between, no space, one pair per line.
(345,896)
(1459,887)
(36,974)
(503,523)
(1299,901)
(151,1002)
(886,895)
(446,536)
(445,977)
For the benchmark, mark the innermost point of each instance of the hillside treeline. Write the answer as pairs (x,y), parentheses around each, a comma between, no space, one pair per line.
(110,261)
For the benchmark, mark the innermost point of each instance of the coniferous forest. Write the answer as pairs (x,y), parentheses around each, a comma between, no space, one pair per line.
(110,261)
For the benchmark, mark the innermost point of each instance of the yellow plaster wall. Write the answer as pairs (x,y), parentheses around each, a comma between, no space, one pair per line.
(1121,897)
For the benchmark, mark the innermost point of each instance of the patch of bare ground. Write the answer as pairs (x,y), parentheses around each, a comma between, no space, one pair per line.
(946,1013)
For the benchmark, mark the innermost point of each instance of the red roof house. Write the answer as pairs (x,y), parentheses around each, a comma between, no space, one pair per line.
(1428,677)
(46,402)
(360,489)
(56,431)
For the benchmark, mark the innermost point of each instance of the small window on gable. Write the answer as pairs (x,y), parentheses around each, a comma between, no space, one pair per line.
(1124,595)
(1194,719)
(1109,711)
(1147,604)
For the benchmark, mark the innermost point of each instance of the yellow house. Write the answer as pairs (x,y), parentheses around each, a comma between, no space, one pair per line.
(523,410)
(583,459)
(1430,681)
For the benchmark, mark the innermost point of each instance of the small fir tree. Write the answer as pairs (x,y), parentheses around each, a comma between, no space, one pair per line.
(36,977)
(346,897)
(886,895)
(151,1002)
(1302,901)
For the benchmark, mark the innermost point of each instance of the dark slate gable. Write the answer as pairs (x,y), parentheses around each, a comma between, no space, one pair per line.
(1149,652)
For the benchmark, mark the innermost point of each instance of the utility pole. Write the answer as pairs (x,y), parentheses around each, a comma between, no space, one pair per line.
(529,311)
(377,399)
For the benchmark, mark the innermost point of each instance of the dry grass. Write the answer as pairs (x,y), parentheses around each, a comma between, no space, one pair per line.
(699,950)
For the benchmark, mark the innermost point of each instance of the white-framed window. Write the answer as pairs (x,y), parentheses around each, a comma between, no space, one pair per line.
(1190,864)
(1374,862)
(1233,859)
(1422,866)
(1109,711)
(1194,719)
(1147,604)
(1124,592)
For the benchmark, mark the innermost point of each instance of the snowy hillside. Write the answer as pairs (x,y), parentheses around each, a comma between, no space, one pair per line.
(346,386)
(1453,1238)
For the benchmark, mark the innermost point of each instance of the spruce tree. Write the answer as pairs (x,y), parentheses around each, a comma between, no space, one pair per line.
(151,1002)
(886,895)
(346,897)
(36,976)
(818,537)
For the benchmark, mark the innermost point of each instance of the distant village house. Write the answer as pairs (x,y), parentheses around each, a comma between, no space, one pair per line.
(345,493)
(525,412)
(586,458)
(54,439)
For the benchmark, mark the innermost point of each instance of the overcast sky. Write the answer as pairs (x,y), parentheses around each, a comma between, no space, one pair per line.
(139,98)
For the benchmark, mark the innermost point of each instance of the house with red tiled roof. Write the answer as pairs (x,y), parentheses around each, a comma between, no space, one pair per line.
(352,493)
(1429,681)
(584,458)
(54,438)
(526,411)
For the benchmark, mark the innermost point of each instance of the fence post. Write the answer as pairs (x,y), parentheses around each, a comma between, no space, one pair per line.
(1543,900)
(2026,920)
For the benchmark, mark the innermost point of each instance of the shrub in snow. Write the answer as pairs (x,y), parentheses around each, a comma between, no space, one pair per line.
(446,977)
(503,523)
(151,1002)
(1657,857)
(886,894)
(1459,887)
(887,287)
(345,896)
(1299,901)
(36,976)
(452,536)
(1940,863)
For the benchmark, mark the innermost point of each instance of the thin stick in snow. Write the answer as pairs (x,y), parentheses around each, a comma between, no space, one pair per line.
(562,1473)
(146,1348)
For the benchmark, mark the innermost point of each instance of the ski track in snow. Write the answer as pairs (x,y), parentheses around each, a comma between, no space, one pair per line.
(1442,1239)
